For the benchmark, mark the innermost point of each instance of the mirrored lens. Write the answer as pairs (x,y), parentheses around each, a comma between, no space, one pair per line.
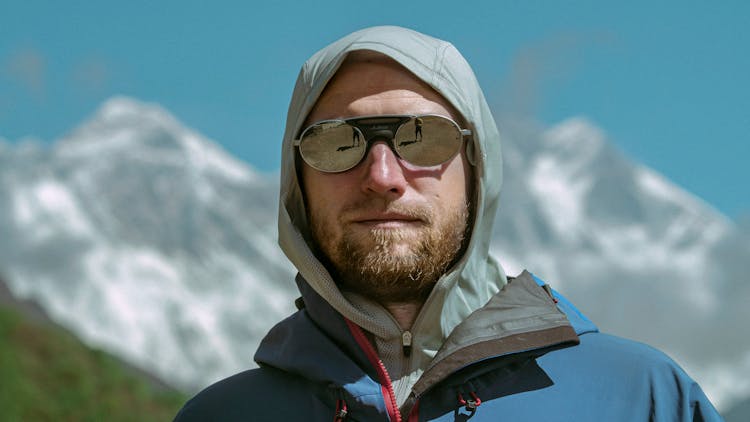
(427,140)
(332,146)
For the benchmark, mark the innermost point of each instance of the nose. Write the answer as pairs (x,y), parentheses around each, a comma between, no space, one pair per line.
(383,173)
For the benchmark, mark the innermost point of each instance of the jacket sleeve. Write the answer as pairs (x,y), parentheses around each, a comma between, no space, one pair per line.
(701,408)
(676,397)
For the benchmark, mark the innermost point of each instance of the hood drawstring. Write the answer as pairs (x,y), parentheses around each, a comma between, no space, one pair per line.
(471,404)
(341,411)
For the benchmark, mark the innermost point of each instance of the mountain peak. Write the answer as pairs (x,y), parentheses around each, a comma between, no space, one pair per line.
(119,115)
(122,107)
(575,133)
(128,127)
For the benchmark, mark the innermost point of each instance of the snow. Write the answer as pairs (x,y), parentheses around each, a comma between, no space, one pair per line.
(122,123)
(136,288)
(656,186)
(49,208)
(576,141)
(179,313)
(185,285)
(565,195)
(207,158)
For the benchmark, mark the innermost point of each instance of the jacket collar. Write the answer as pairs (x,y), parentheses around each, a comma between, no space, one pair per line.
(523,317)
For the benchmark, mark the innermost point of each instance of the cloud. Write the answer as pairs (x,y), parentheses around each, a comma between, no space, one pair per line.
(554,59)
(91,75)
(28,67)
(29,71)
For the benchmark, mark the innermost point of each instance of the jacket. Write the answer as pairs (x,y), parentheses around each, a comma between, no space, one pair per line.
(480,346)
(543,361)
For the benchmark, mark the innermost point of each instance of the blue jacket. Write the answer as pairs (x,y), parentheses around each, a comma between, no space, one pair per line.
(316,365)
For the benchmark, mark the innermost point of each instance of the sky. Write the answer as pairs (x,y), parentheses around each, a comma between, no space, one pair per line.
(666,81)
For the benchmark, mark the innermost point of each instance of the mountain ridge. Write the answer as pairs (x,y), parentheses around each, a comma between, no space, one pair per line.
(118,229)
(185,251)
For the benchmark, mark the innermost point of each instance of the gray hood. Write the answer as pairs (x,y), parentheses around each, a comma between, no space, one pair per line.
(476,277)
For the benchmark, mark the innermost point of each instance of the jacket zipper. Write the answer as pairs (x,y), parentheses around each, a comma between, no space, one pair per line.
(386,385)
(406,338)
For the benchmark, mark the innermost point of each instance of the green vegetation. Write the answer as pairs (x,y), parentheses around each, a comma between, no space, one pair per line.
(46,374)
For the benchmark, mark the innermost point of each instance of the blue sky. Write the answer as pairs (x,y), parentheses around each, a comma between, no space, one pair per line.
(667,81)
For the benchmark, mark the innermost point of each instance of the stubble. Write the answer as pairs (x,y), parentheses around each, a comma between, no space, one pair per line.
(392,265)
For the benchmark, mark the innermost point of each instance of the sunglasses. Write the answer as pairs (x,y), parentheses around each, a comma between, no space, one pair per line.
(333,146)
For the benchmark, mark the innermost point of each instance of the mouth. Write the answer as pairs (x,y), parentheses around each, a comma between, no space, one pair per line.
(388,220)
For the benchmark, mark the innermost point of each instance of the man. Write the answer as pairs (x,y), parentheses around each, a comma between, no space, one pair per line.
(390,180)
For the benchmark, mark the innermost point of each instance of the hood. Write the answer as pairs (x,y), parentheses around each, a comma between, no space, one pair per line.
(476,277)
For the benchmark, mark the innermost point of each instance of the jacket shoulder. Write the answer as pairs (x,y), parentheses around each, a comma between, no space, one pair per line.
(263,393)
(618,355)
(631,375)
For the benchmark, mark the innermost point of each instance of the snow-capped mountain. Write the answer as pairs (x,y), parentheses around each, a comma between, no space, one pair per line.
(147,239)
(641,257)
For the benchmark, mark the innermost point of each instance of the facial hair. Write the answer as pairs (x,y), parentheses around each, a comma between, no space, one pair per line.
(393,265)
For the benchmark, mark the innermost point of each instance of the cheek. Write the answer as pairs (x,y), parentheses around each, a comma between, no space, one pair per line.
(321,193)
(455,181)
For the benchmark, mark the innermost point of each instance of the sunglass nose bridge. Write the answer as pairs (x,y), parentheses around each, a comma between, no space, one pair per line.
(380,133)
(379,127)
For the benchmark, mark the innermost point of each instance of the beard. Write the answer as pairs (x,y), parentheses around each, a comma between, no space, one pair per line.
(392,265)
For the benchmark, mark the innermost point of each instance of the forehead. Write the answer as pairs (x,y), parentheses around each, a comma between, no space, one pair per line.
(371,83)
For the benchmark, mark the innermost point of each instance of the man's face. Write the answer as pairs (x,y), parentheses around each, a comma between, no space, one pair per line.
(387,228)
